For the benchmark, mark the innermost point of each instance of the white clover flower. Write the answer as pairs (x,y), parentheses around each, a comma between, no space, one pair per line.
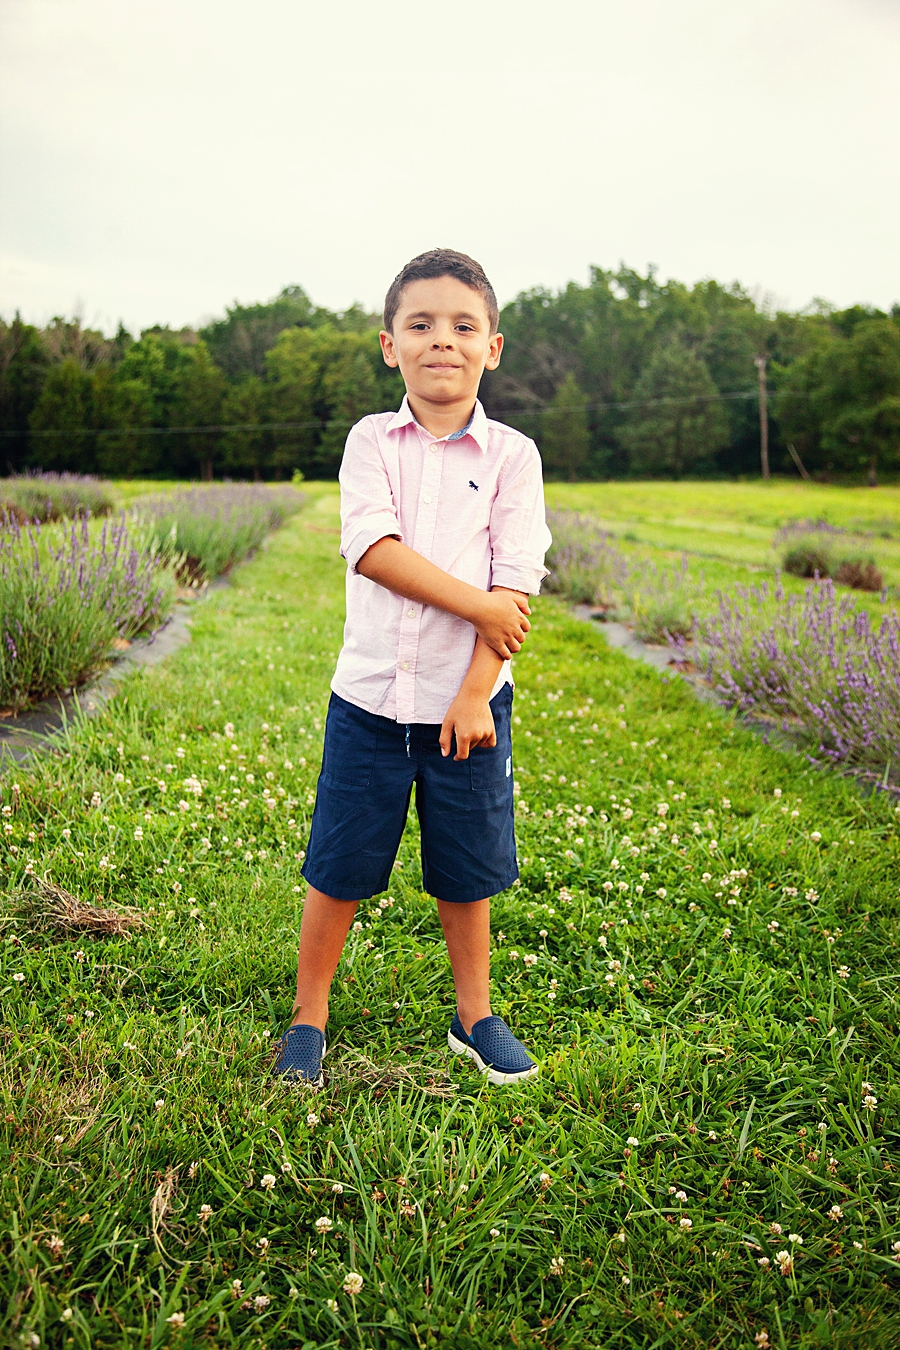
(869,1102)
(626,1279)
(495,1232)
(337,1188)
(176,1320)
(312,1120)
(529,959)
(681,1197)
(796,1239)
(776,1229)
(557,1265)
(685,1223)
(263,1244)
(237,1288)
(268,1181)
(815,836)
(323,1225)
(66,1315)
(353,1282)
(206,1212)
(895,1247)
(835,1213)
(19,977)
(159,1103)
(331,1304)
(261,1302)
(764,1262)
(785,1262)
(662,892)
(545,1180)
(632,1142)
(843,972)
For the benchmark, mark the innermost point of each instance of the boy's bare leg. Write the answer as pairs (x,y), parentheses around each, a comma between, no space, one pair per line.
(467,929)
(323,932)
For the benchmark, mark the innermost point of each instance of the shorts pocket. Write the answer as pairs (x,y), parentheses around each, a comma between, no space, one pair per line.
(351,740)
(491,767)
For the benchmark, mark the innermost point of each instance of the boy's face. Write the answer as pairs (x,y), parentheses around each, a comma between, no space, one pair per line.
(442,340)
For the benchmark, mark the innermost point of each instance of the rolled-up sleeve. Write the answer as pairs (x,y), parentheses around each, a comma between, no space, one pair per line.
(519,533)
(368,510)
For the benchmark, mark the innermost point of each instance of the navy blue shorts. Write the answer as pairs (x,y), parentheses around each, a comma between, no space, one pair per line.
(465,809)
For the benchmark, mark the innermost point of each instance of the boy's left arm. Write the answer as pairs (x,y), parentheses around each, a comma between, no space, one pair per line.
(469,716)
(519,540)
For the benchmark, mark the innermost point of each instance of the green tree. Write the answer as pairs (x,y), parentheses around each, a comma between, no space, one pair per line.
(23,368)
(242,449)
(239,342)
(124,409)
(564,439)
(292,370)
(676,422)
(197,402)
(859,398)
(350,391)
(839,404)
(61,421)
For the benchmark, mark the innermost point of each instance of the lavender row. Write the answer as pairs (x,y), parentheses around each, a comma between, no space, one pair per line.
(205,531)
(813,661)
(66,595)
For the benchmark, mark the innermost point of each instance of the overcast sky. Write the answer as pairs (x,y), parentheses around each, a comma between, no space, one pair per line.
(160,160)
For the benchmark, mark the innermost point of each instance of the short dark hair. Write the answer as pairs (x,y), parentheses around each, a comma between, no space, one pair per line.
(442,262)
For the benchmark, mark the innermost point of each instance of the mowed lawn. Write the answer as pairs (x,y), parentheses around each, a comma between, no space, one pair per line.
(701,951)
(727,528)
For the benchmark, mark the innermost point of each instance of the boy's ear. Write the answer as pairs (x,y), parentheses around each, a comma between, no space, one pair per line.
(495,348)
(387,349)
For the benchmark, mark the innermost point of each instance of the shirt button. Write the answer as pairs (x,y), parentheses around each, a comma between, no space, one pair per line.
(432,448)
(411,613)
(406,665)
(427,501)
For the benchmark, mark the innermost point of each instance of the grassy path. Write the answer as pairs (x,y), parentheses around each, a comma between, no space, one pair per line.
(702,951)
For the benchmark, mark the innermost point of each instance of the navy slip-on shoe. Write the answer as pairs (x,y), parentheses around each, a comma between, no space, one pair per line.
(300,1053)
(494,1049)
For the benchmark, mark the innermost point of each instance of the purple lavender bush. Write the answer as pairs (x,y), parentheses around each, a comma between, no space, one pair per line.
(205,531)
(67,593)
(815,661)
(587,566)
(53,496)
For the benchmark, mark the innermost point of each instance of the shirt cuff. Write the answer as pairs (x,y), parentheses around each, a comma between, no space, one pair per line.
(525,579)
(367,533)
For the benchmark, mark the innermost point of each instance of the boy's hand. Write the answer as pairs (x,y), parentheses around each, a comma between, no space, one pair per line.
(503,622)
(469,717)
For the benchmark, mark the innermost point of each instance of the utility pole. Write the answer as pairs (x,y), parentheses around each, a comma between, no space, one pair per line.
(763,417)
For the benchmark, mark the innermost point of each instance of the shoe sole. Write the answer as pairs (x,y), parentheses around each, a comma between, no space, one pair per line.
(494,1076)
(295,1080)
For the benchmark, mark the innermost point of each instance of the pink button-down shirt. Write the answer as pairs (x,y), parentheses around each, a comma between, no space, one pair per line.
(473,504)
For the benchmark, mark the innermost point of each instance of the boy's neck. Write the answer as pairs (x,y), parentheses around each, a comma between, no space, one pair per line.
(441,419)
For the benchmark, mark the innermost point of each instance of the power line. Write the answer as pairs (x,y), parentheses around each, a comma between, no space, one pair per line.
(321,423)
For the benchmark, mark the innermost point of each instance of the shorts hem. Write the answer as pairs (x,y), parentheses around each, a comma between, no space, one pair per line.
(469,897)
(365,894)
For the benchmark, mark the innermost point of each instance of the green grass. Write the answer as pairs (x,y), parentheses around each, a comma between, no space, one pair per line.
(729,526)
(135,1085)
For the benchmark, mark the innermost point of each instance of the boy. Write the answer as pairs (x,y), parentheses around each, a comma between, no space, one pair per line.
(443,532)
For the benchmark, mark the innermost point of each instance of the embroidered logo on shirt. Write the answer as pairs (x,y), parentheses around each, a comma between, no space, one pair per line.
(473,485)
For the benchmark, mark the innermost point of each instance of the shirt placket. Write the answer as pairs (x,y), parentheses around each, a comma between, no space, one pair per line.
(423,543)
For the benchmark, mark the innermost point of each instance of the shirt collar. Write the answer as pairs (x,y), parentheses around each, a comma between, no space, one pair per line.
(477,426)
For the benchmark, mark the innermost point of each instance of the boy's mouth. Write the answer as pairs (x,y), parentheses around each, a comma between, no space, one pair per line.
(441,365)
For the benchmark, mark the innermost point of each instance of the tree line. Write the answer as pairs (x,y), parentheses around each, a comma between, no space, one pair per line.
(625,376)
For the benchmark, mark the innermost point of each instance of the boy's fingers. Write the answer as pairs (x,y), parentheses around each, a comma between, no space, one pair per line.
(462,746)
(446,736)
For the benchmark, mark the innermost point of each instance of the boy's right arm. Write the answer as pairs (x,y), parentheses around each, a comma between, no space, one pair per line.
(500,616)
